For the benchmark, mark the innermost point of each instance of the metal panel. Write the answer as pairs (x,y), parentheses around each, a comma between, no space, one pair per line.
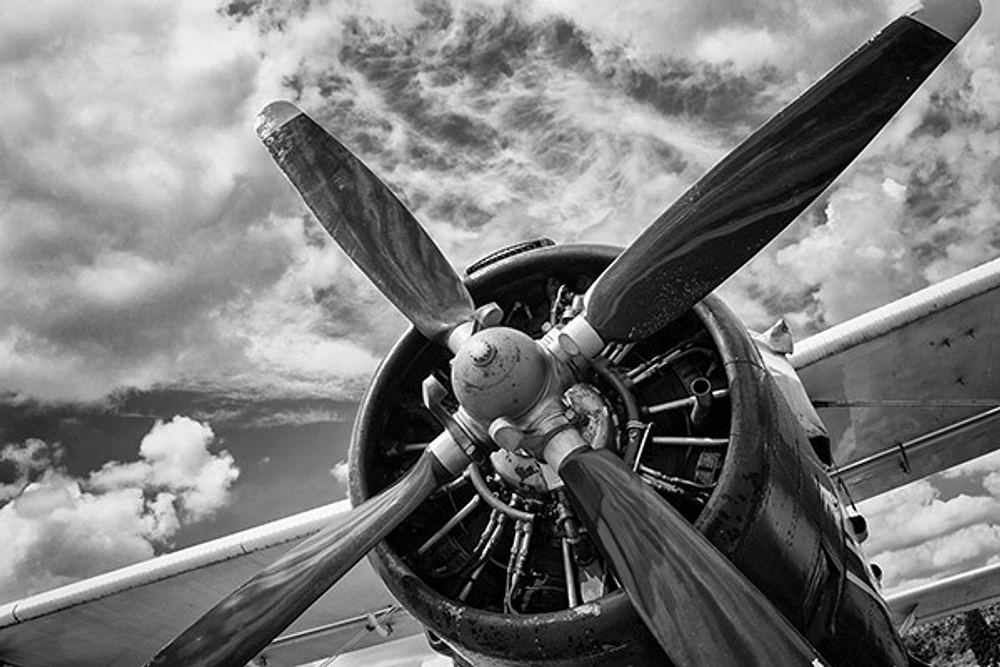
(918,365)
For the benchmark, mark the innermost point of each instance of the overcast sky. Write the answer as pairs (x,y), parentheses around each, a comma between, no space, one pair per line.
(177,342)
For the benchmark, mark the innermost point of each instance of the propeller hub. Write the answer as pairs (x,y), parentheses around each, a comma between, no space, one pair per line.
(499,372)
(482,352)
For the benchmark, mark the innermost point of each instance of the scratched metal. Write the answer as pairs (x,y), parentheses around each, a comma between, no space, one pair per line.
(367,220)
(239,627)
(700,608)
(747,199)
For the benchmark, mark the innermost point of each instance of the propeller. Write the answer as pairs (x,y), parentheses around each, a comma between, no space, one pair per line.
(367,220)
(387,243)
(248,619)
(702,610)
(750,196)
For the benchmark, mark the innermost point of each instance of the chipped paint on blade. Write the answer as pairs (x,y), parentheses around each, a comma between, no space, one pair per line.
(273,116)
(951,18)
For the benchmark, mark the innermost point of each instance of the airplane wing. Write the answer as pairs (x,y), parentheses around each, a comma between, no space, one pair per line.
(906,390)
(911,388)
(123,617)
(952,595)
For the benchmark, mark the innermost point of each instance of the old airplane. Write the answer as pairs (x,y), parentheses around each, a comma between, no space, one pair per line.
(579,456)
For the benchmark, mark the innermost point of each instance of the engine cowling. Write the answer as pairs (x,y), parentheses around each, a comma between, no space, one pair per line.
(515,580)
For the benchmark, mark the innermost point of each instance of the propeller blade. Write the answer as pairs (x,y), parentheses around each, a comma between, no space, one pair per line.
(749,197)
(701,609)
(367,220)
(242,624)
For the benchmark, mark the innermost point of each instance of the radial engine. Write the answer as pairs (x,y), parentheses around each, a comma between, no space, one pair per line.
(496,564)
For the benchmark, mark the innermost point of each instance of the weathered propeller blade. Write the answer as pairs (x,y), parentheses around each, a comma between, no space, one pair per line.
(246,621)
(369,222)
(749,197)
(701,609)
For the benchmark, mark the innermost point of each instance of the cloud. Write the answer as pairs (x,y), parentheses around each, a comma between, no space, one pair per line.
(146,241)
(798,34)
(140,244)
(24,462)
(919,514)
(977,467)
(341,472)
(174,455)
(745,49)
(920,205)
(63,528)
(918,534)
(955,552)
(564,120)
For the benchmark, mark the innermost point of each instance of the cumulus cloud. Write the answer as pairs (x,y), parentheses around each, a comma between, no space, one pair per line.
(916,515)
(61,528)
(174,455)
(954,552)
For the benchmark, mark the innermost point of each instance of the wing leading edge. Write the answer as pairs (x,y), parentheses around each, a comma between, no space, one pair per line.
(125,616)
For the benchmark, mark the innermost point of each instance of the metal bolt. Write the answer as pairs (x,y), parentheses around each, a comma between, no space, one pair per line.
(482,352)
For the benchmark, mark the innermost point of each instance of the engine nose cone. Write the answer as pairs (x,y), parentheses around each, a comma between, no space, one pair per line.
(498,372)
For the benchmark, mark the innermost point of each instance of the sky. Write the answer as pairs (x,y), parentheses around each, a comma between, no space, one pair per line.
(181,348)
